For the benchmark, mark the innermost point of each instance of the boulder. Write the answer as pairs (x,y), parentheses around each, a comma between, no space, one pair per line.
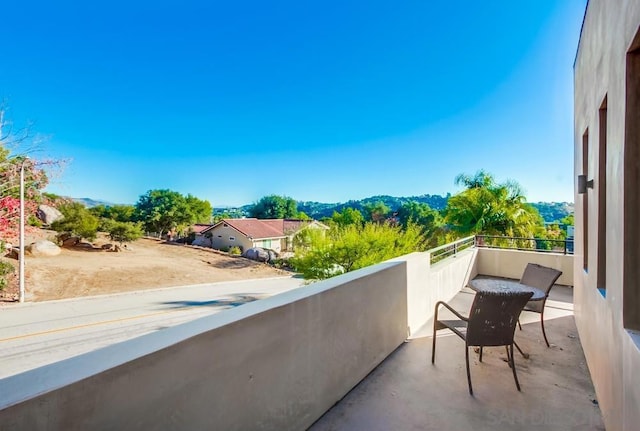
(260,254)
(48,214)
(202,241)
(13,253)
(272,255)
(71,241)
(43,248)
(83,244)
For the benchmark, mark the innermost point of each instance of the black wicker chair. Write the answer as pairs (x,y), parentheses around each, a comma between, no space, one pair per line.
(491,322)
(543,278)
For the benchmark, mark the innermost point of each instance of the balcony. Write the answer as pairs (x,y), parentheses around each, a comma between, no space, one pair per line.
(360,340)
(407,392)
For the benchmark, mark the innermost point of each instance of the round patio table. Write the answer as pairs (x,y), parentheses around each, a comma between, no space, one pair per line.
(505,286)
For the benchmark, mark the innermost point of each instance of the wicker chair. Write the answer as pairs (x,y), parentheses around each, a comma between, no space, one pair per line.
(543,278)
(491,322)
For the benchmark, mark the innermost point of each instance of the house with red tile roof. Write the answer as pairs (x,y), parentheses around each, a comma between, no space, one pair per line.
(199,227)
(273,234)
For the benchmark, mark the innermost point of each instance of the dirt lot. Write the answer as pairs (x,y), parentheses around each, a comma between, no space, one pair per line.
(146,264)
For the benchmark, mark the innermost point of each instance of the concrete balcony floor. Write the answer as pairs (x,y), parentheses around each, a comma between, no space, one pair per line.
(407,392)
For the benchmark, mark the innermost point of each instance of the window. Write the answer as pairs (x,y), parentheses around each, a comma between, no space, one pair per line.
(232,238)
(585,203)
(631,203)
(602,198)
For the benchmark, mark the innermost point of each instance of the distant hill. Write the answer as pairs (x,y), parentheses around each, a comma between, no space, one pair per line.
(319,210)
(553,211)
(550,211)
(90,203)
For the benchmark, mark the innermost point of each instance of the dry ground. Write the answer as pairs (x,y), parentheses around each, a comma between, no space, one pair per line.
(146,264)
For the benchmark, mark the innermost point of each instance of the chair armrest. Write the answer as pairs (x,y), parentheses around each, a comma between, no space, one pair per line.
(458,315)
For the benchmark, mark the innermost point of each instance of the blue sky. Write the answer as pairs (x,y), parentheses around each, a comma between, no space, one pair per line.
(325,101)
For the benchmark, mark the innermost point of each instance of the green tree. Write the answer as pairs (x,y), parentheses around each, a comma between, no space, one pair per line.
(274,207)
(419,213)
(376,212)
(161,211)
(568,220)
(347,216)
(125,231)
(77,221)
(100,211)
(200,210)
(490,208)
(350,247)
(429,220)
(164,210)
(107,214)
(302,216)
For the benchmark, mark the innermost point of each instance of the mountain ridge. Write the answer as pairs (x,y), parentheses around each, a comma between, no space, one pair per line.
(550,211)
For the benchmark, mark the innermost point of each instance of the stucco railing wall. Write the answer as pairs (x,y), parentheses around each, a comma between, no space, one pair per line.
(511,263)
(428,284)
(274,364)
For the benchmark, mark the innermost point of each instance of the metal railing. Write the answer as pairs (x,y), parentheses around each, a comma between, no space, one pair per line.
(541,245)
(439,253)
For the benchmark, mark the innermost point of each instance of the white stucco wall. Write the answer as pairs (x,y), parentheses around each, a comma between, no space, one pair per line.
(511,263)
(428,284)
(273,364)
(600,70)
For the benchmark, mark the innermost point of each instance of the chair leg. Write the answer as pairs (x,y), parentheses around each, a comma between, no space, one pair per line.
(433,348)
(544,334)
(519,325)
(524,355)
(513,366)
(466,356)
(480,353)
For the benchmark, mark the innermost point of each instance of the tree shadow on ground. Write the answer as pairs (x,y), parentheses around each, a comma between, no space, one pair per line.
(229,302)
(236,263)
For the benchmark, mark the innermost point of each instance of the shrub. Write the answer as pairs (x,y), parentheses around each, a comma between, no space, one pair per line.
(5,269)
(77,221)
(281,263)
(34,221)
(235,251)
(125,231)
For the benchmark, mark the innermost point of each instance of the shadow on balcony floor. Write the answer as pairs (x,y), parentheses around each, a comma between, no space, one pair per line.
(407,392)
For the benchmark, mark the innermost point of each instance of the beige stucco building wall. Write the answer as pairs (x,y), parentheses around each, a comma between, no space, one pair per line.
(611,349)
(272,244)
(224,236)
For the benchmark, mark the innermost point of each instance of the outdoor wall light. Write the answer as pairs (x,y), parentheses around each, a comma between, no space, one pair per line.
(583,184)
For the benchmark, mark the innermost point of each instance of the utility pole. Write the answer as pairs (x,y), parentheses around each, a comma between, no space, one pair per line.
(21,256)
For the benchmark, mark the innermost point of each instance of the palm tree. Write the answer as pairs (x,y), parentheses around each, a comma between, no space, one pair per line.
(490,208)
